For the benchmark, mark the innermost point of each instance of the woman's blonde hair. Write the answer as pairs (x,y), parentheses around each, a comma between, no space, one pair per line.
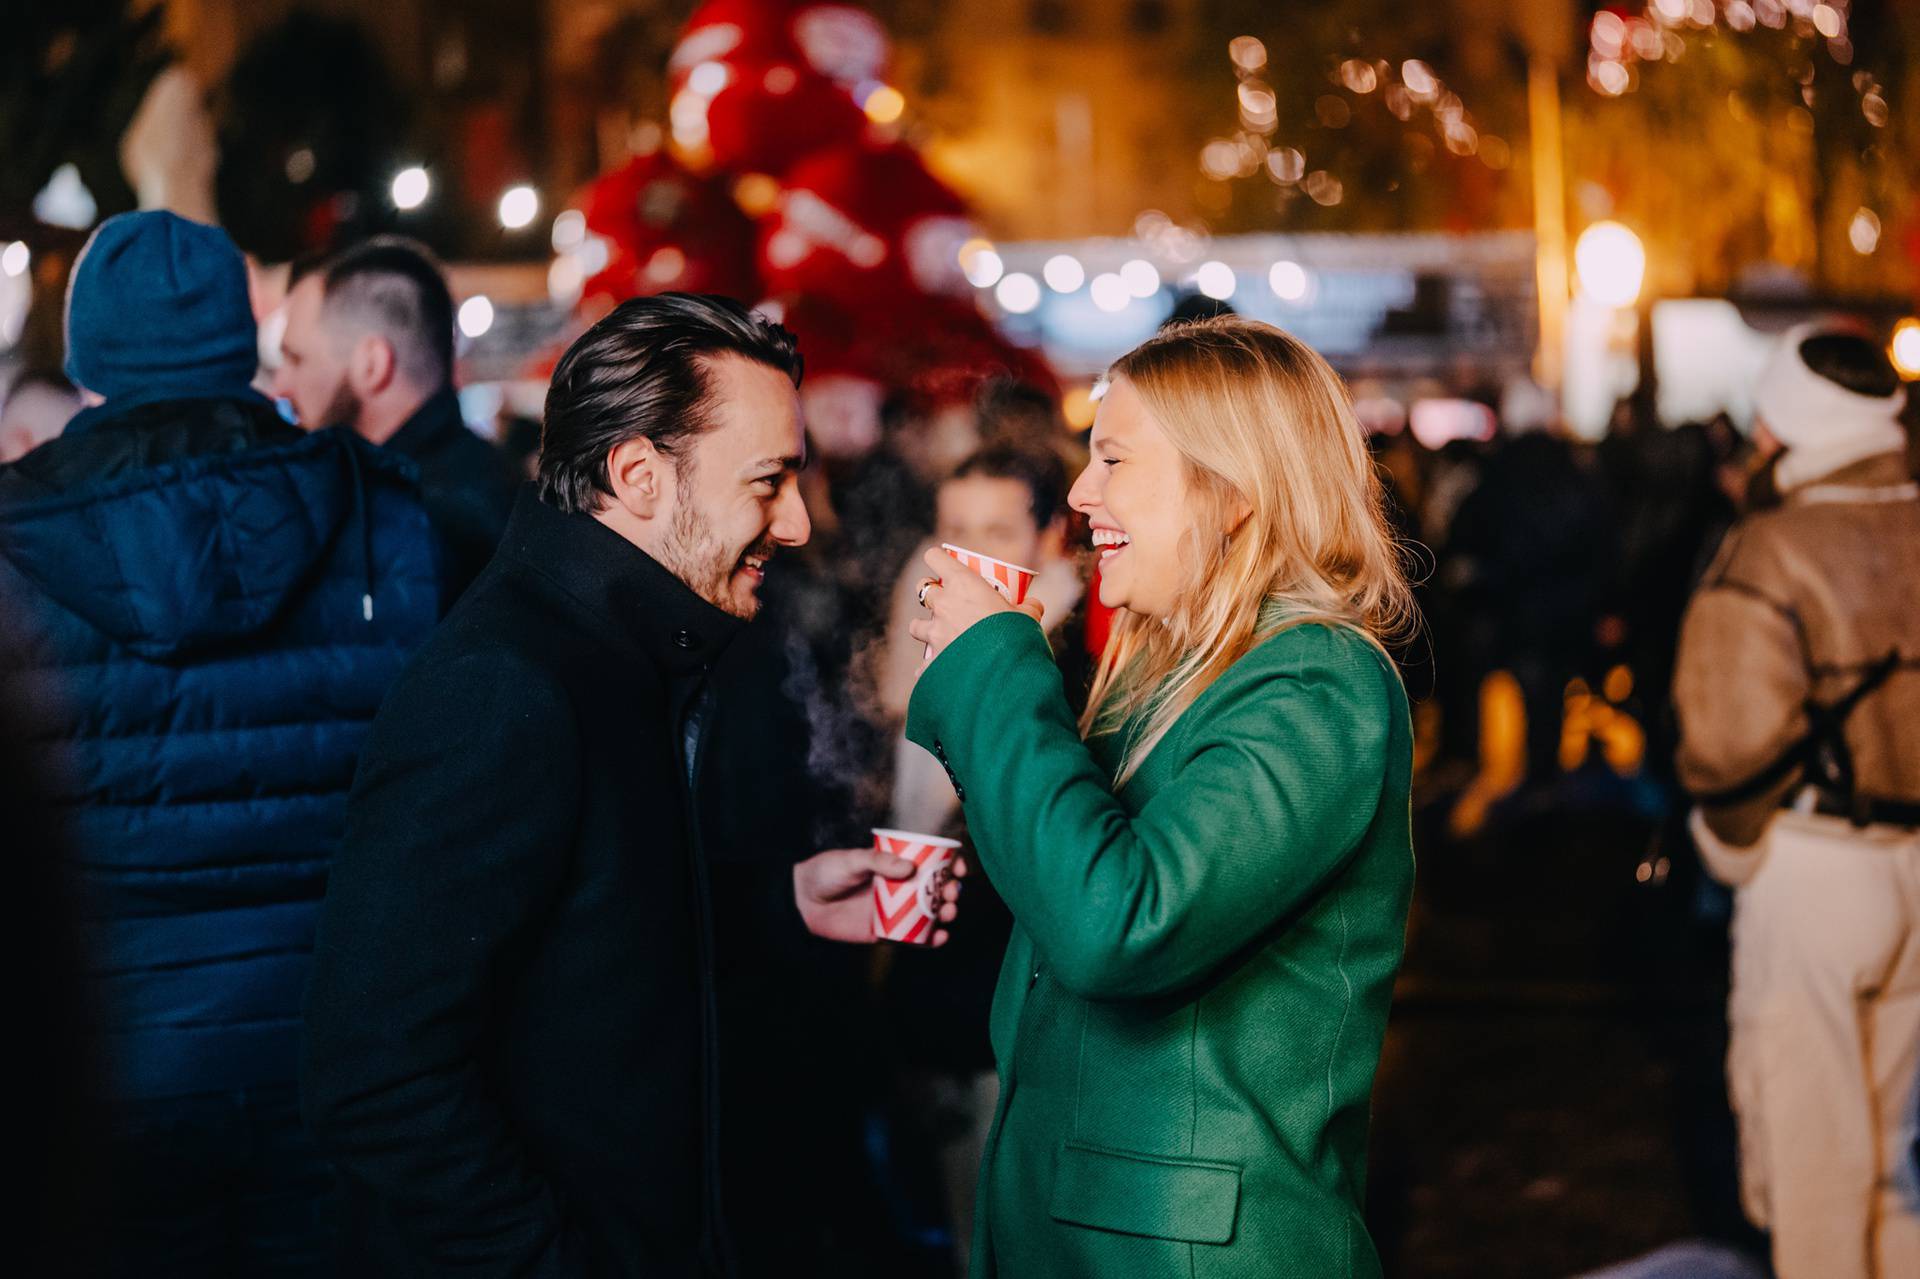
(1260,421)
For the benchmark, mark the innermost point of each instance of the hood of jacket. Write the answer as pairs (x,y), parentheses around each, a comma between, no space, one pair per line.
(194,552)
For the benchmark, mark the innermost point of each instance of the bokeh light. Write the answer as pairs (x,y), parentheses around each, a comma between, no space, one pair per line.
(1904,350)
(885,105)
(1018,293)
(1289,281)
(569,230)
(519,206)
(411,187)
(476,315)
(1110,293)
(981,264)
(1063,273)
(1142,278)
(1863,232)
(1215,279)
(1611,263)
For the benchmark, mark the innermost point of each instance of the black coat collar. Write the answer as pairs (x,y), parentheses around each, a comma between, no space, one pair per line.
(620,584)
(431,426)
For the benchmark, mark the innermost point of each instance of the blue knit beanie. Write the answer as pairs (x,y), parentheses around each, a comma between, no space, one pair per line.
(158,310)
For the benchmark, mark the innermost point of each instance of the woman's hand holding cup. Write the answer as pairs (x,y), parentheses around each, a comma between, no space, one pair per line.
(956,598)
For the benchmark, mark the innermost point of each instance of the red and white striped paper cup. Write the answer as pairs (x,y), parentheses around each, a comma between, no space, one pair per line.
(1011,580)
(908,910)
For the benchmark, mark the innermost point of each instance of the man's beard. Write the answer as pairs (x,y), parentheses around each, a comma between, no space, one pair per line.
(694,555)
(343,409)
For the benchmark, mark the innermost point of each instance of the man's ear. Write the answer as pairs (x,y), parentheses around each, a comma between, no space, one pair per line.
(642,478)
(370,365)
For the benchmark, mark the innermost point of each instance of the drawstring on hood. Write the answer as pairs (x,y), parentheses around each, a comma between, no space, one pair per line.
(365,528)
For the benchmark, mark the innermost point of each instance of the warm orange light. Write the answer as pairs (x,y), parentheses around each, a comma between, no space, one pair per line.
(1619,685)
(1904,350)
(756,194)
(885,104)
(1503,754)
(1078,408)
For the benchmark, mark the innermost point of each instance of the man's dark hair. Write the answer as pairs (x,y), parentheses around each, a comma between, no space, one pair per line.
(1851,361)
(305,265)
(395,288)
(1190,308)
(641,373)
(1044,475)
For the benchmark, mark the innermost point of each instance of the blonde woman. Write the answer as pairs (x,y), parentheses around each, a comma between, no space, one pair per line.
(1210,873)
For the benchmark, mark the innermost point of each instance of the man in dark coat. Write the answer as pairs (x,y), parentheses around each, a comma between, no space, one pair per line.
(216,605)
(369,346)
(511,1027)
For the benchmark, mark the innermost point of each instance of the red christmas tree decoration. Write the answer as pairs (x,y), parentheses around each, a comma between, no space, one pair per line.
(664,229)
(859,251)
(843,42)
(770,117)
(733,33)
(860,224)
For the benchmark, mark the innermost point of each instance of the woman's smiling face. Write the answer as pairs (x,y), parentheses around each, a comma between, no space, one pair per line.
(1136,495)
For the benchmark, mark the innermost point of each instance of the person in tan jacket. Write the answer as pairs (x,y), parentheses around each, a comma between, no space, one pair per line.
(1798,692)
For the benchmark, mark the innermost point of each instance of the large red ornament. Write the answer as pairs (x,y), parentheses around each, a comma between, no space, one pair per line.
(750,97)
(665,229)
(770,118)
(861,254)
(843,42)
(860,223)
(734,33)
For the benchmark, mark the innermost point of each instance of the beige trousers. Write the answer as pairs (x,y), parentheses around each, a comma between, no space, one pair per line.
(1824,1053)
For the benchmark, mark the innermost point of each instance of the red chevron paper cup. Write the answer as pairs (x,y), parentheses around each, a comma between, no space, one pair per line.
(908,910)
(1011,580)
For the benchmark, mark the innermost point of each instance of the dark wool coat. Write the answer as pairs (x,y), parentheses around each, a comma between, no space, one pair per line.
(511,1016)
(467,484)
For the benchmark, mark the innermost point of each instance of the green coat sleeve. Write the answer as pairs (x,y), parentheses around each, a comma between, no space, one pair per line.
(1279,773)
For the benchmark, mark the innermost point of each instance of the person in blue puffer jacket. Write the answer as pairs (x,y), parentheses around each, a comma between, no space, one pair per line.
(217,603)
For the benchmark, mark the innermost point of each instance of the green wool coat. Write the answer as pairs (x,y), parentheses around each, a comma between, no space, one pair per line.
(1191,1009)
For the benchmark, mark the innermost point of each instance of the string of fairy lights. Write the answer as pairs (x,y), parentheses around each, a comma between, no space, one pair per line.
(1411,92)
(1659,33)
(1620,43)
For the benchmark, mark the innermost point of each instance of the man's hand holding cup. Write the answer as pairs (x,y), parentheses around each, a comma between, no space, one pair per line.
(840,892)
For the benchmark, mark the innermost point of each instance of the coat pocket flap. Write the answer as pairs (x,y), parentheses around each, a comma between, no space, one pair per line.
(1161,1197)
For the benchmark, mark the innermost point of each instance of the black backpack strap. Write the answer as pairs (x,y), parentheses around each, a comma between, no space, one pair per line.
(1821,751)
